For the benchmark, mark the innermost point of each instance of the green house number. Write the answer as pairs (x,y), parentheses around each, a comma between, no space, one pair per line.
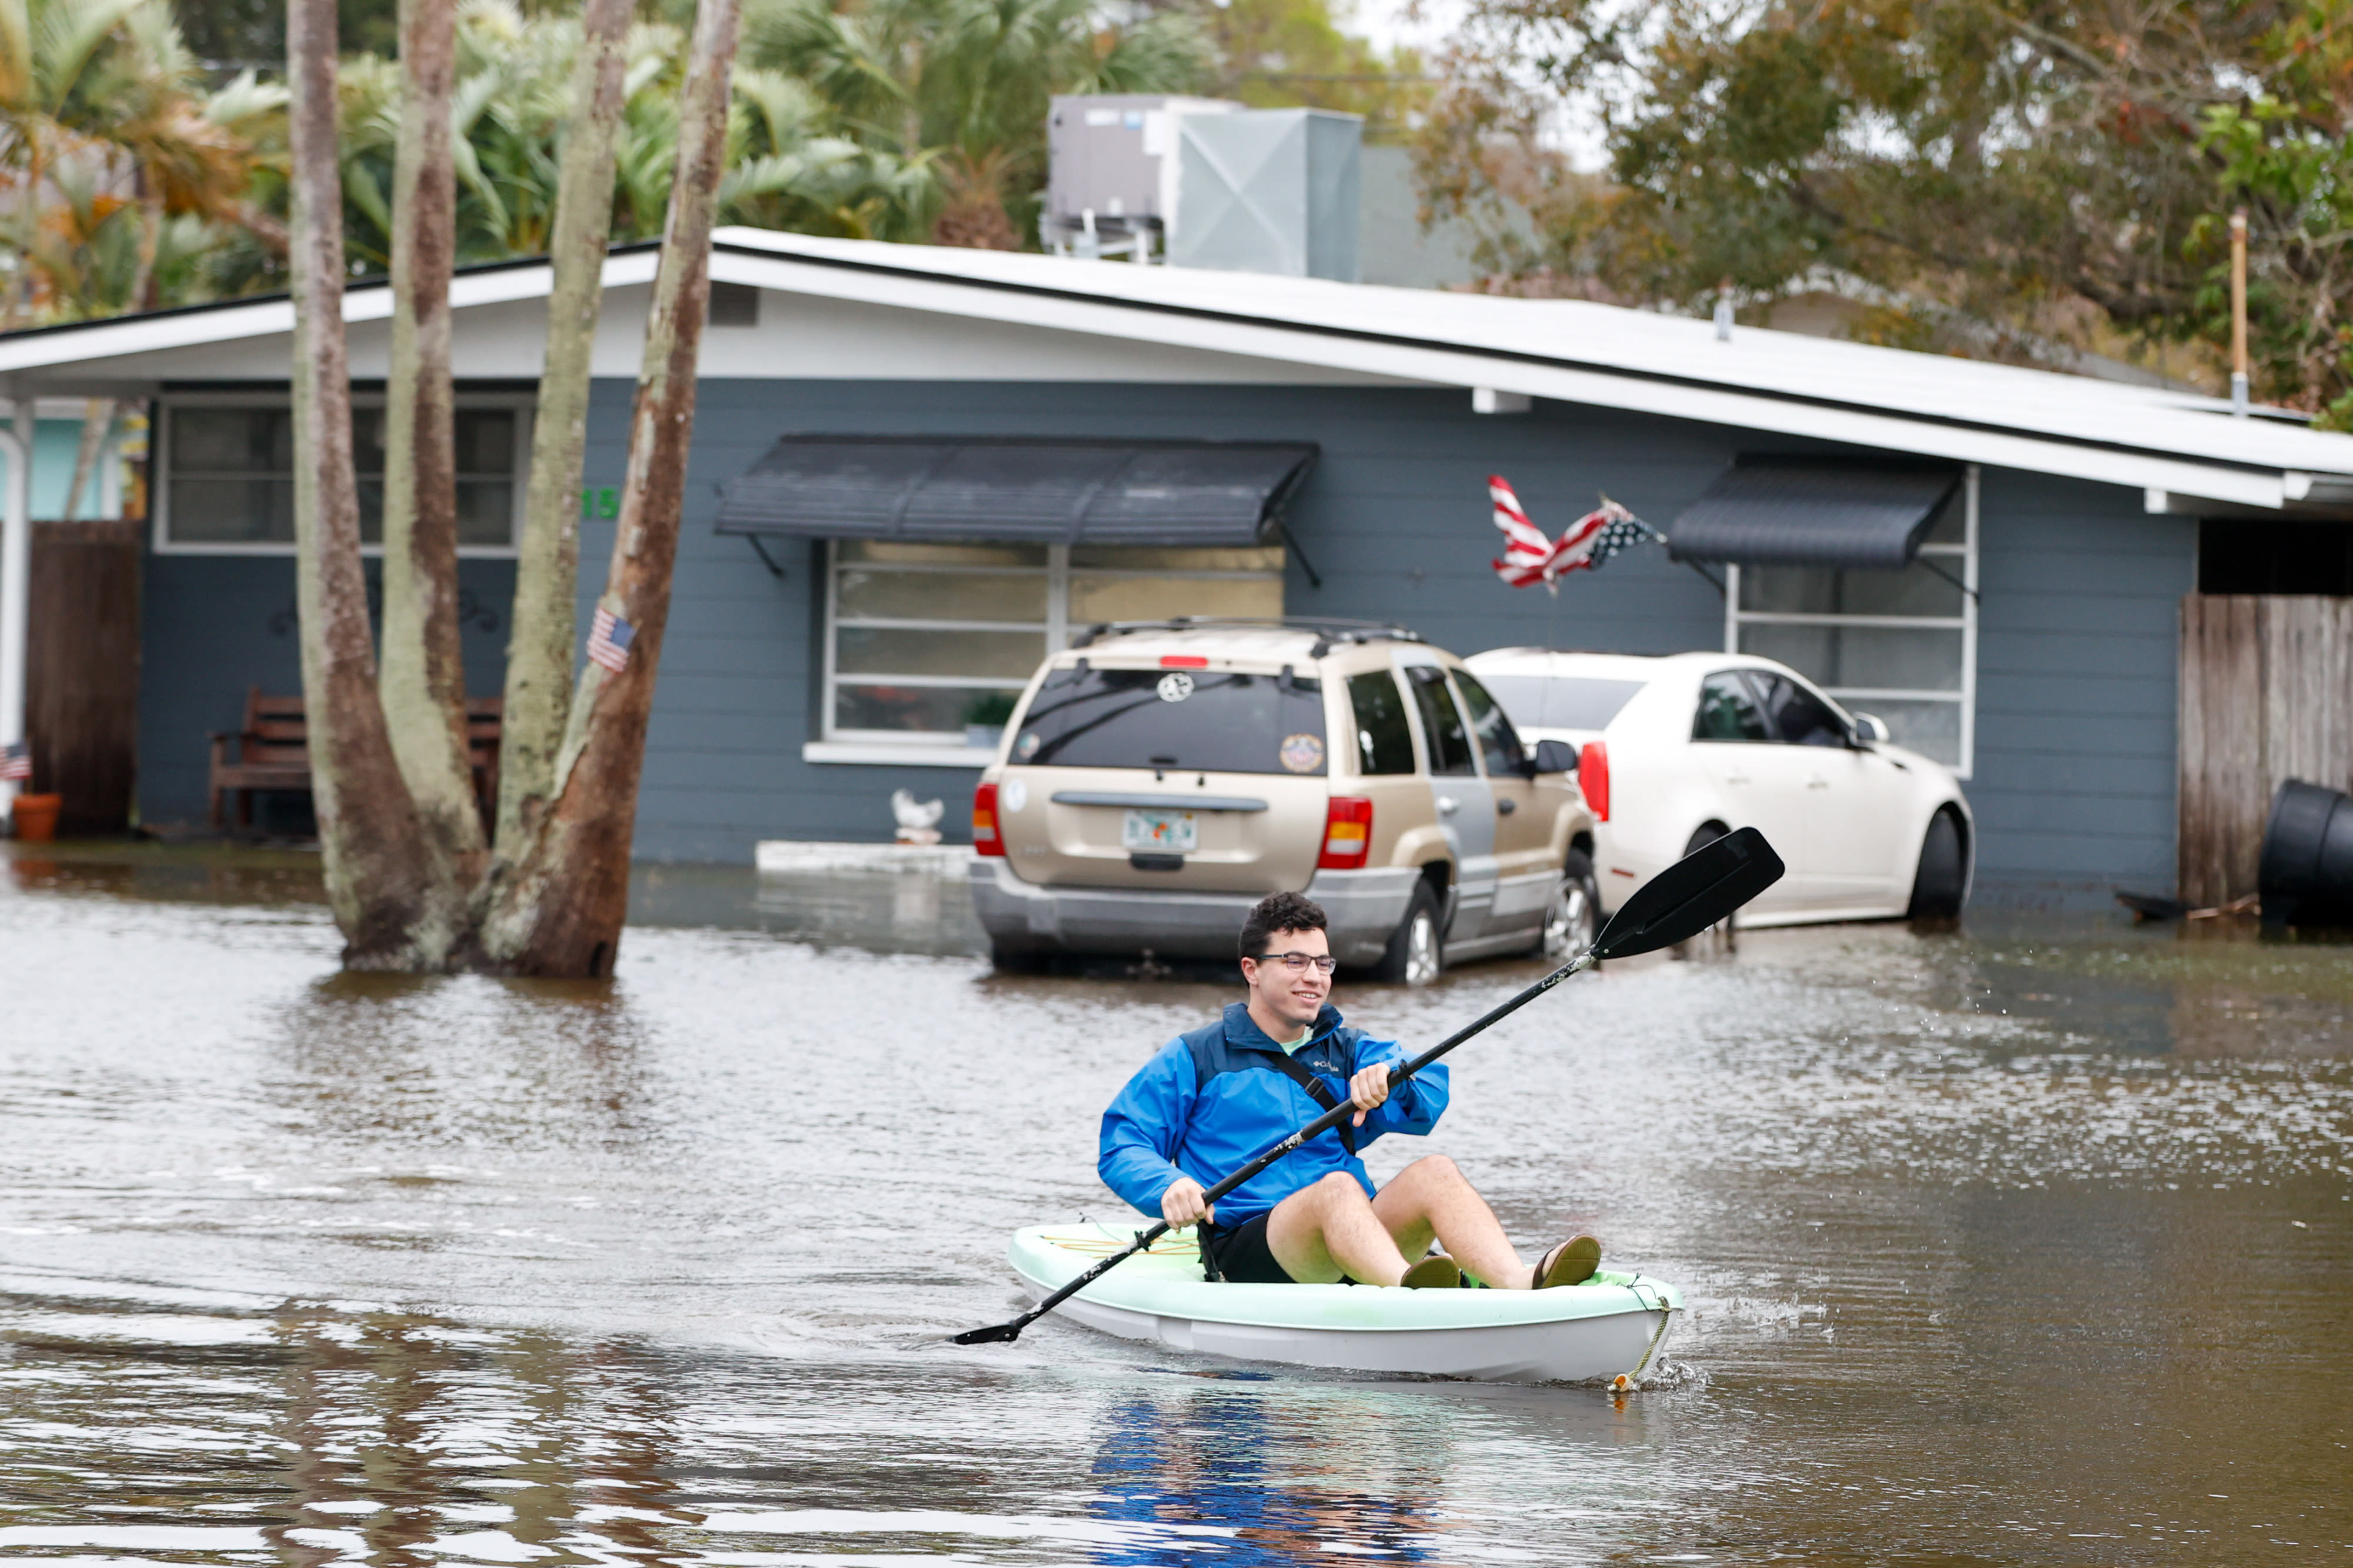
(600,501)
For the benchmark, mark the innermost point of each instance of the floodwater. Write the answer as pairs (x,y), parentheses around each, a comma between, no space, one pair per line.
(2030,1244)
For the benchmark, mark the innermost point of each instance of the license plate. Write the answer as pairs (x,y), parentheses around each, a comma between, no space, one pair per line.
(1166,832)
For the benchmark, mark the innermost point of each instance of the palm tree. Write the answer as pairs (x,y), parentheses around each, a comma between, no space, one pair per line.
(105,123)
(963,85)
(790,163)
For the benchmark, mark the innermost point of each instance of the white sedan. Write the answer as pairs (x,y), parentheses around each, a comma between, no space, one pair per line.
(1677,750)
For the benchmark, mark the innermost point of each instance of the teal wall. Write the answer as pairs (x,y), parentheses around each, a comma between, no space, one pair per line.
(55,443)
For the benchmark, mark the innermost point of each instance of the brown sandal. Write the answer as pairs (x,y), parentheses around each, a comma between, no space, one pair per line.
(1435,1272)
(1571,1263)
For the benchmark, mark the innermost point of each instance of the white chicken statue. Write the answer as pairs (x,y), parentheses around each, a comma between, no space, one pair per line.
(918,820)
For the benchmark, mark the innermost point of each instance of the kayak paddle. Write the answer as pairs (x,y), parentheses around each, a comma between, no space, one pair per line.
(1680,902)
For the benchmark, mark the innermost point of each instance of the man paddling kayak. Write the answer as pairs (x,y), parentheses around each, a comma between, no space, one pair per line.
(1214,1096)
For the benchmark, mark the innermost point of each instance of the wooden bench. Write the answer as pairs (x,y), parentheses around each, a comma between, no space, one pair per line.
(273,752)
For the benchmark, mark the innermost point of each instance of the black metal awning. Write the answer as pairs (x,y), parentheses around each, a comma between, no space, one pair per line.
(979,490)
(1770,512)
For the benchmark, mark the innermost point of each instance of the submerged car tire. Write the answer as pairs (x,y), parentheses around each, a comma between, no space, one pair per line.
(1417,950)
(1017,960)
(1572,918)
(1942,879)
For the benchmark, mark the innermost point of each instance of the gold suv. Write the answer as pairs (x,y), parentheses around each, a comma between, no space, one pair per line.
(1159,778)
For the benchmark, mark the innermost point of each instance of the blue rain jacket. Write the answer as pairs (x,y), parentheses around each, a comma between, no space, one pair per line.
(1211,1101)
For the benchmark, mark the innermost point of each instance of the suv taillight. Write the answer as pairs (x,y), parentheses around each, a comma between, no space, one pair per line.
(986,839)
(1593,778)
(1347,834)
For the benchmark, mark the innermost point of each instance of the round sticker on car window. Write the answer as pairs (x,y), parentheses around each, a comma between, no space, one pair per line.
(1026,746)
(1302,753)
(1175,686)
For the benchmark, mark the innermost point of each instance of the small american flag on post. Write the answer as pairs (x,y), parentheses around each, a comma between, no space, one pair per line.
(609,638)
(1529,557)
(16,761)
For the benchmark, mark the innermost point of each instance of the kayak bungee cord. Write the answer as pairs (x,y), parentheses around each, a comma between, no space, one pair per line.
(1688,897)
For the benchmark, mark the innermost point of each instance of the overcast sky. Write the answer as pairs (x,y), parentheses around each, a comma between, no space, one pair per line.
(1385,22)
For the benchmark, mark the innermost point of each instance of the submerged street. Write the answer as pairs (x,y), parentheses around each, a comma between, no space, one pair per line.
(2025,1244)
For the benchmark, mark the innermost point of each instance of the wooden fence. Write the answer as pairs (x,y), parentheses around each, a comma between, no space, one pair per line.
(2266,695)
(82,671)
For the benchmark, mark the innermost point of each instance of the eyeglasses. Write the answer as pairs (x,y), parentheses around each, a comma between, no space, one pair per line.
(1297,962)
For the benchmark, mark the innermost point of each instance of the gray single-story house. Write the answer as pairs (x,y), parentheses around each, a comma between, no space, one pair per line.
(844,629)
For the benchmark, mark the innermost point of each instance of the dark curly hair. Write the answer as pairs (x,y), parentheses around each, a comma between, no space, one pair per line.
(1278,912)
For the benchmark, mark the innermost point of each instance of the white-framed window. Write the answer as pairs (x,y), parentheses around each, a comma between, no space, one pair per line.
(225,472)
(928,646)
(1902,645)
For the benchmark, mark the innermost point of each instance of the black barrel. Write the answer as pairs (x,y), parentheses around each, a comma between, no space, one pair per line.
(2306,875)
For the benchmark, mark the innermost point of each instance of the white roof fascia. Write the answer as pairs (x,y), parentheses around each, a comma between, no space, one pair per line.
(144,334)
(86,344)
(2153,440)
(1643,344)
(1456,367)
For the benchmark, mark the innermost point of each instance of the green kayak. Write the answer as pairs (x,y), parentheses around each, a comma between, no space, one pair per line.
(1612,1329)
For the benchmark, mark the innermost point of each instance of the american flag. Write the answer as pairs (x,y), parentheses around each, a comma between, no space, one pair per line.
(1530,558)
(16,761)
(609,638)
(1526,547)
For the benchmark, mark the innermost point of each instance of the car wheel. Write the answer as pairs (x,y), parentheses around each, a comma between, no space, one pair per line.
(1416,953)
(1705,833)
(1017,960)
(1939,885)
(1574,917)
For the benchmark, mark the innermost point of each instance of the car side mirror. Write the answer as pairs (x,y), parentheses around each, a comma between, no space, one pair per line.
(1552,757)
(1870,729)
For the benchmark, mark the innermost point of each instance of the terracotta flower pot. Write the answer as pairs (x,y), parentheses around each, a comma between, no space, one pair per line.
(37,818)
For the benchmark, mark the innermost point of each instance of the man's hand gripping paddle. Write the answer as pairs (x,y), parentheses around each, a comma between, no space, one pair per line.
(1680,902)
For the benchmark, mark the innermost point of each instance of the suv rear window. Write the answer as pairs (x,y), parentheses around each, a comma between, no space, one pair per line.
(1384,741)
(1561,701)
(1220,721)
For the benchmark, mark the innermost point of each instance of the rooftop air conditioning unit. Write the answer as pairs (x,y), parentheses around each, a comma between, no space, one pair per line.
(1111,180)
(1268,190)
(1206,183)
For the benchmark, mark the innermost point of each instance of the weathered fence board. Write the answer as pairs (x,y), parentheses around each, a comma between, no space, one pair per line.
(2266,695)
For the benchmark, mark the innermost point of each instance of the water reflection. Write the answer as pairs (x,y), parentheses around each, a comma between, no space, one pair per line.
(1213,1459)
(2025,1243)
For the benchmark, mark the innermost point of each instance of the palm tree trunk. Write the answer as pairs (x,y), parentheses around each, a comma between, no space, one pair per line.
(375,855)
(151,238)
(424,686)
(96,424)
(539,654)
(20,295)
(561,914)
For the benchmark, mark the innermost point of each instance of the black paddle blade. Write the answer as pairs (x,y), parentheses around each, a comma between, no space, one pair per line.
(995,1335)
(1691,895)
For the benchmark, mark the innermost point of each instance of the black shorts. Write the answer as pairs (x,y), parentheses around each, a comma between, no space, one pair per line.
(1242,1252)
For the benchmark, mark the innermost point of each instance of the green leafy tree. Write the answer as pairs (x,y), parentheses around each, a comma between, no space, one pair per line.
(2286,158)
(2009,178)
(961,86)
(242,34)
(1273,54)
(122,164)
(791,166)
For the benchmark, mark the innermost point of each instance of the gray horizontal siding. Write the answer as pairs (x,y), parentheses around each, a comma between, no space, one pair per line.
(2078,628)
(1395,519)
(2075,783)
(216,624)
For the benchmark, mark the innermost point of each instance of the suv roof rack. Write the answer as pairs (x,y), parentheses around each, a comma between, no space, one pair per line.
(1328,629)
